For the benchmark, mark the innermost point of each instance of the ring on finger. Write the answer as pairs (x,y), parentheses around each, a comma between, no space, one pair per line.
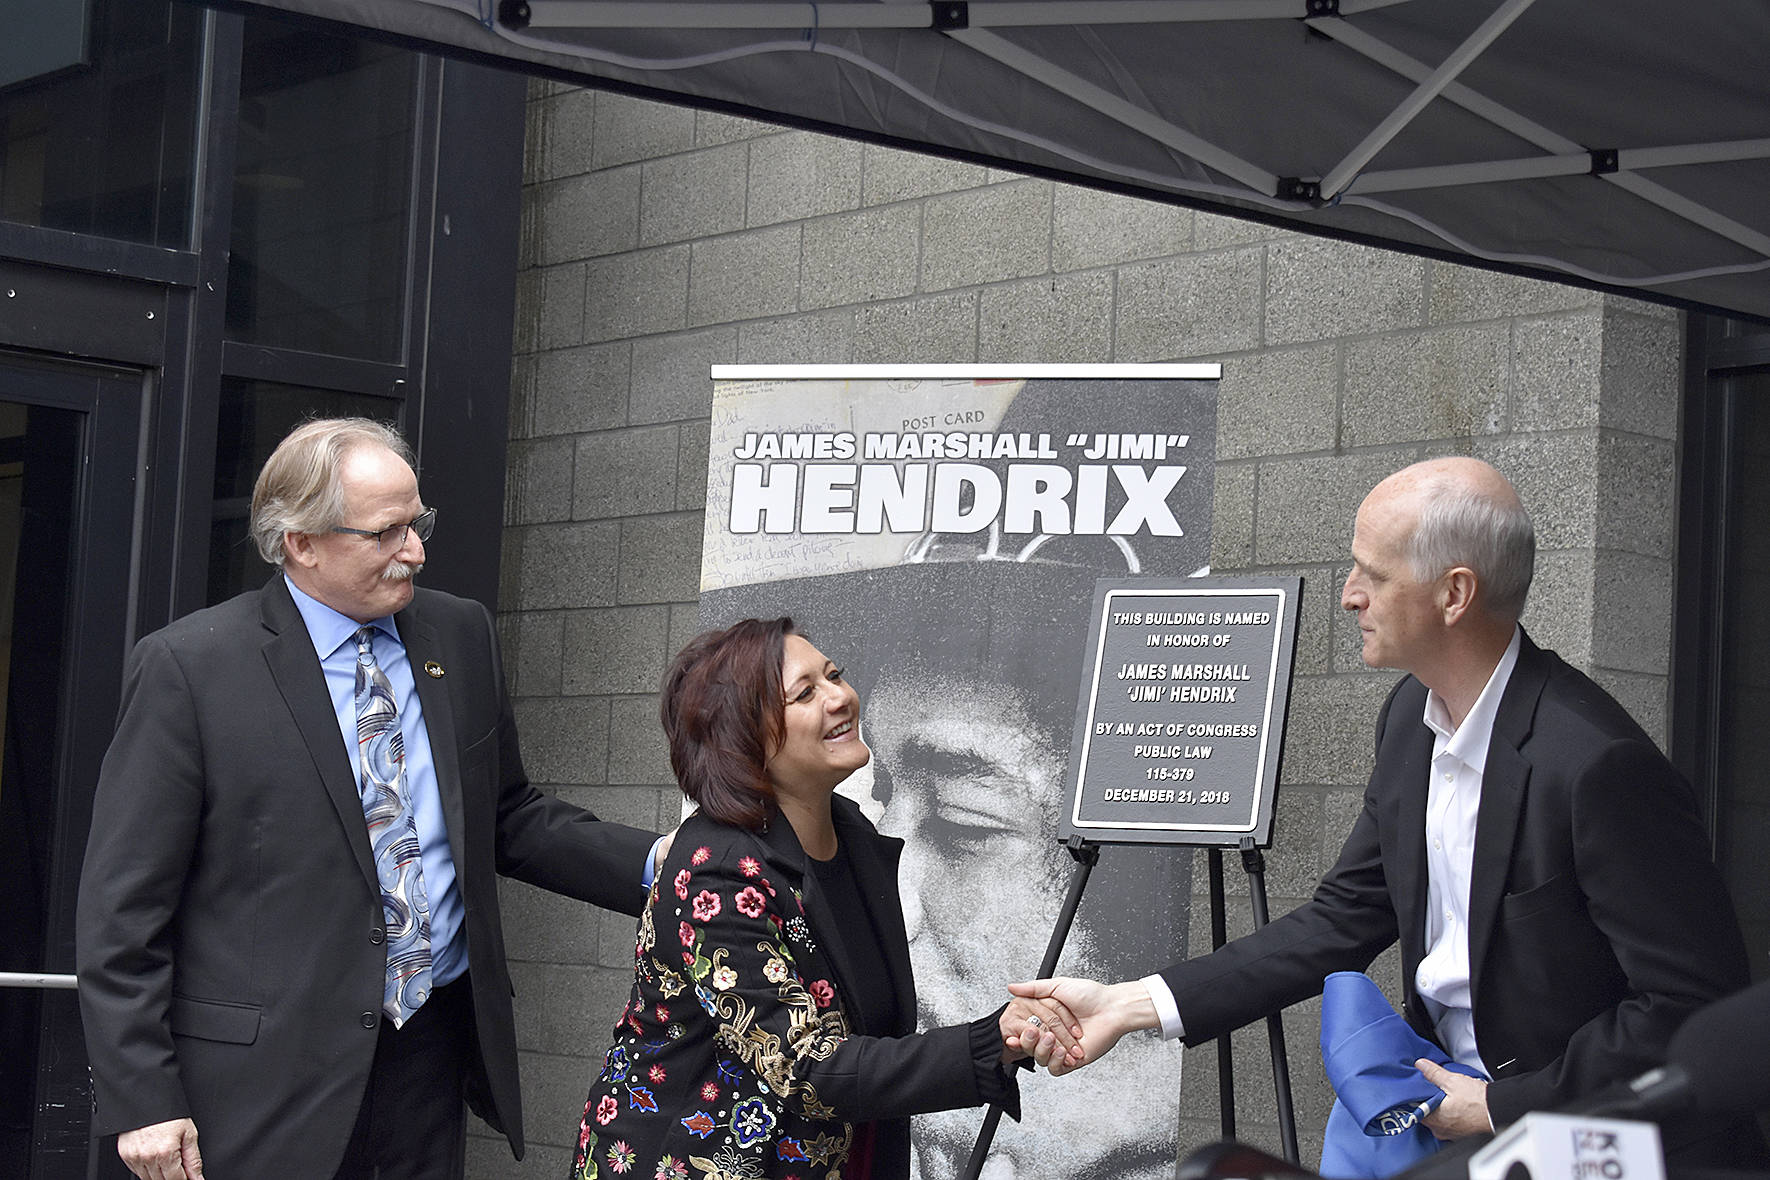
(1035,1022)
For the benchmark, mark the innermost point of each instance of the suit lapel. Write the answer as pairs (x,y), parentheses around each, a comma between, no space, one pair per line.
(1410,772)
(1504,781)
(423,651)
(875,859)
(296,671)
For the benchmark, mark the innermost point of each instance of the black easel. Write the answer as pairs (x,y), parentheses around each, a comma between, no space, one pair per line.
(1087,855)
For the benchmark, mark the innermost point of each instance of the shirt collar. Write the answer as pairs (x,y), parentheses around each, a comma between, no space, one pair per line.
(1468,742)
(328,629)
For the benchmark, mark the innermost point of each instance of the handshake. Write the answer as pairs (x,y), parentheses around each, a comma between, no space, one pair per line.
(1064,1024)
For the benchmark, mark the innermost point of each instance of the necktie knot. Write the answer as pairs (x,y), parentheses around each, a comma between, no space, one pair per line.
(365,650)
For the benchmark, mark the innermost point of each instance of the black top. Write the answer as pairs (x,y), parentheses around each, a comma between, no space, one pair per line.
(871,1002)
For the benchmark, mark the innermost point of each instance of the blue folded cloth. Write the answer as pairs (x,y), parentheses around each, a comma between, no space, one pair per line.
(1369,1051)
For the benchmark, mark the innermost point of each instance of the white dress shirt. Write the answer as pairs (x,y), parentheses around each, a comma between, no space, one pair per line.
(1459,757)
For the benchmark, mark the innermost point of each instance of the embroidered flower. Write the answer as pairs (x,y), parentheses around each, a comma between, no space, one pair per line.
(750,903)
(671,1168)
(584,1133)
(688,958)
(663,1014)
(685,933)
(749,866)
(775,971)
(607,1109)
(674,1032)
(701,855)
(639,1098)
(657,1074)
(615,1068)
(700,1123)
(706,906)
(709,1092)
(792,1150)
(764,883)
(620,1157)
(799,931)
(822,992)
(682,884)
(724,978)
(751,1121)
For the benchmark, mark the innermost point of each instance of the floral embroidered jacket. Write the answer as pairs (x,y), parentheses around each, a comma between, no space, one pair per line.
(735,1058)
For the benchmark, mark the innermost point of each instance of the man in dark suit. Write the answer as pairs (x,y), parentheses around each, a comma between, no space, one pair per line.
(288,930)
(1541,863)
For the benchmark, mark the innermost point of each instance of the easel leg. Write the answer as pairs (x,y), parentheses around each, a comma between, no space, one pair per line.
(1086,856)
(1225,1051)
(1254,861)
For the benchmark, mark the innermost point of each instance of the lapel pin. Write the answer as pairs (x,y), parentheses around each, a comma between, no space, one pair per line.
(435,669)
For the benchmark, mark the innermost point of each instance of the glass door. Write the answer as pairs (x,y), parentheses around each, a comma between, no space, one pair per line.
(67,507)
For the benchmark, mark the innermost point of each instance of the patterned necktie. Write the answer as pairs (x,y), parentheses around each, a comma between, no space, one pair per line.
(381,753)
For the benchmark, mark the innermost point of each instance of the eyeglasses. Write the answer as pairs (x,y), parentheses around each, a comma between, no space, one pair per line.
(394,535)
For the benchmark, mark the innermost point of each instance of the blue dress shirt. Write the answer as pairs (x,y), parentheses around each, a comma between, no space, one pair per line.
(332,635)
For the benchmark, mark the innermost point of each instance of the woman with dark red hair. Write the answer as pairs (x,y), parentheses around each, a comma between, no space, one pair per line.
(771,1029)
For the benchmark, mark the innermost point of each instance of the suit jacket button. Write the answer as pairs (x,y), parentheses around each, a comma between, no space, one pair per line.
(376,935)
(368,1019)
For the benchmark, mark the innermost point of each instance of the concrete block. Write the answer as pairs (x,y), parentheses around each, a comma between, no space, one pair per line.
(1322,290)
(509,571)
(1442,383)
(1190,306)
(685,624)
(615,649)
(559,313)
(580,389)
(636,294)
(1307,507)
(1317,614)
(1329,737)
(691,465)
(637,807)
(860,257)
(937,330)
(694,195)
(564,739)
(986,235)
(556,1013)
(1644,697)
(1461,294)
(1340,809)
(624,472)
(889,174)
(1061,319)
(1637,495)
(798,175)
(539,486)
(1632,609)
(568,565)
(745,276)
(1642,307)
(672,375)
(526,329)
(534,665)
(522,395)
(554,1085)
(714,127)
(1232,516)
(822,338)
(661,558)
(1561,611)
(582,216)
(548,928)
(1557,478)
(1278,403)
(1293,863)
(561,130)
(638,753)
(1214,231)
(1091,228)
(1557,363)
(1641,379)
(631,129)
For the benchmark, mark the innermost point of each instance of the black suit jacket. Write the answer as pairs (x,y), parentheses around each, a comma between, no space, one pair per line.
(229,931)
(740,1043)
(1597,920)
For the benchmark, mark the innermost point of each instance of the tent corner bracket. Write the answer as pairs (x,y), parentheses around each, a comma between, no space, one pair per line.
(1604,161)
(1295,188)
(514,14)
(946,15)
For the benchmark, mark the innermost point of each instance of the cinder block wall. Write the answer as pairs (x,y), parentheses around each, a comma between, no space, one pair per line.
(658,241)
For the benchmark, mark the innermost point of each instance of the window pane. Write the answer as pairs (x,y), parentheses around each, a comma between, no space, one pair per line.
(106,148)
(255,415)
(321,192)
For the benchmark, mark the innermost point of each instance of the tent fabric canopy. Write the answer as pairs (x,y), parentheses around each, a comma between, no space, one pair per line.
(1622,143)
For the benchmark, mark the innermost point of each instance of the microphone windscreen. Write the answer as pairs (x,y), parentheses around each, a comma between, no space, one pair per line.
(1724,1050)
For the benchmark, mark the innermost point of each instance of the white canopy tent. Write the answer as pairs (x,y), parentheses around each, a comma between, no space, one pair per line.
(1617,143)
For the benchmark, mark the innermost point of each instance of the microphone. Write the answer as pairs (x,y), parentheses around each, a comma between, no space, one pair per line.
(1718,1063)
